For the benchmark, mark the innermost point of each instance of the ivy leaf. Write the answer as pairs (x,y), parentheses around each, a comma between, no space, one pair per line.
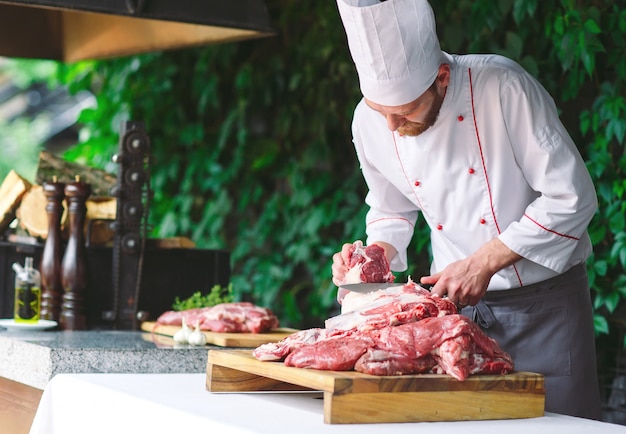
(585,121)
(600,267)
(616,127)
(592,27)
(611,301)
(601,325)
(589,61)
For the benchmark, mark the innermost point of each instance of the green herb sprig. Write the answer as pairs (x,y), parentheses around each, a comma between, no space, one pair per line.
(216,295)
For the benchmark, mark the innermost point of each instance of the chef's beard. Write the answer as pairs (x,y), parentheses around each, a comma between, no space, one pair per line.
(413,129)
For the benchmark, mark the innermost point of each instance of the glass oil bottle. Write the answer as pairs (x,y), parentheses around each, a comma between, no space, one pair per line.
(27,293)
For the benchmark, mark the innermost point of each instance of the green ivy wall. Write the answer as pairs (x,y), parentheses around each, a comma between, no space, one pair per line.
(252,150)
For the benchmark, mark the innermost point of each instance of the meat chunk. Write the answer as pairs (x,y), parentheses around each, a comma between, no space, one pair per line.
(242,317)
(451,344)
(273,351)
(395,339)
(336,353)
(390,306)
(367,264)
(457,345)
(382,362)
(238,317)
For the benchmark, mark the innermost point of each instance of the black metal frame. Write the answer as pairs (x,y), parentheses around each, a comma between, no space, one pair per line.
(241,14)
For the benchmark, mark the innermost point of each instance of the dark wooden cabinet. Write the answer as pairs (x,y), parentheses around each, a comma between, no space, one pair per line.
(167,273)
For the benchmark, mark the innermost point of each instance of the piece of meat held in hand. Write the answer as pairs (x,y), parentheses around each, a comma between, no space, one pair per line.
(367,264)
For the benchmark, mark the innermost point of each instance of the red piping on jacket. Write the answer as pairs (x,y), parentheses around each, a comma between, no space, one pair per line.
(390,218)
(482,159)
(407,178)
(550,230)
(395,145)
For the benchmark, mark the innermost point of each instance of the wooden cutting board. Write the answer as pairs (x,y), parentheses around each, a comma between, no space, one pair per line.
(352,397)
(235,340)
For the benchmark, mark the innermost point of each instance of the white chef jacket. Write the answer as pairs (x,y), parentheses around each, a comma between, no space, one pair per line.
(497,163)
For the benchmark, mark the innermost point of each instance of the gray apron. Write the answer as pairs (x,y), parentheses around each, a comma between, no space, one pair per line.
(547,328)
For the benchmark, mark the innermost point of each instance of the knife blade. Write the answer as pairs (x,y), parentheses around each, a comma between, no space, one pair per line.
(364,288)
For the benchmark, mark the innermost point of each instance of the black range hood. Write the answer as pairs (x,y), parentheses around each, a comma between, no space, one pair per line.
(73,30)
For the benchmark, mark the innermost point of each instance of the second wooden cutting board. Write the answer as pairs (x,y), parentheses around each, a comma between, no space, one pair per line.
(234,340)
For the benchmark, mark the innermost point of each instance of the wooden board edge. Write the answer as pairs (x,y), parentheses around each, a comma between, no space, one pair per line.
(351,382)
(243,360)
(223,379)
(430,406)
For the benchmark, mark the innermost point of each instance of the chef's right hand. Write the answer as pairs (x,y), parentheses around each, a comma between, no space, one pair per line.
(340,268)
(340,264)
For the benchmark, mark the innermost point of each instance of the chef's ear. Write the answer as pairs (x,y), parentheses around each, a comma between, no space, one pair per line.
(443,76)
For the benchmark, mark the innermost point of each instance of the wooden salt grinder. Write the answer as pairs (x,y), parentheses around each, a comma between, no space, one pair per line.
(50,268)
(74,266)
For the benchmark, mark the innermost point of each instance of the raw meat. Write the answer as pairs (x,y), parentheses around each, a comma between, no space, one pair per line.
(380,362)
(367,264)
(273,351)
(451,344)
(459,347)
(239,317)
(335,353)
(391,306)
(402,330)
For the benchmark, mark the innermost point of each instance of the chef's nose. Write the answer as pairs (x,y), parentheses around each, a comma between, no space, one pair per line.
(394,121)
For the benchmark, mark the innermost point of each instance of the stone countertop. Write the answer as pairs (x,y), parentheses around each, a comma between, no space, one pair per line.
(34,357)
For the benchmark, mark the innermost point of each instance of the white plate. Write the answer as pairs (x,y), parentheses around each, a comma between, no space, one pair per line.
(43,324)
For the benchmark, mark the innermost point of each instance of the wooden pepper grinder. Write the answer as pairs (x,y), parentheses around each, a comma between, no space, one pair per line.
(74,265)
(50,268)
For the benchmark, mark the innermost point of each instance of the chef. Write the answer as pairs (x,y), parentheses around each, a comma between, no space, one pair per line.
(474,144)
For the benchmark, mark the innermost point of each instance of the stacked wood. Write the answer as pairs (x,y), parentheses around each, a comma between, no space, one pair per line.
(26,202)
(12,190)
(32,217)
(31,214)
(100,213)
(51,165)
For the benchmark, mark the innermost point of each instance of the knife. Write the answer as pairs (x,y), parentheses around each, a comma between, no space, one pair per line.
(364,288)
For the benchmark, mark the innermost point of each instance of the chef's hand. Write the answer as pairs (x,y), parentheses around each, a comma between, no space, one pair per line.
(340,268)
(465,282)
(342,259)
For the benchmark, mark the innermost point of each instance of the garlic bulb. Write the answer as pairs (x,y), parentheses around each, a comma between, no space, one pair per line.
(196,337)
(182,335)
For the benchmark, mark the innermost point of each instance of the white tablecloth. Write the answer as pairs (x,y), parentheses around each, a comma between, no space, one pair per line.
(179,403)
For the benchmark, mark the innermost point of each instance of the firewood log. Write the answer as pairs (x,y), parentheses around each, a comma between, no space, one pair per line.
(12,190)
(51,165)
(32,216)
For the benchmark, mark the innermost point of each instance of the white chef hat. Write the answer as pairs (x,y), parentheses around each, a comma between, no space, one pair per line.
(394,46)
